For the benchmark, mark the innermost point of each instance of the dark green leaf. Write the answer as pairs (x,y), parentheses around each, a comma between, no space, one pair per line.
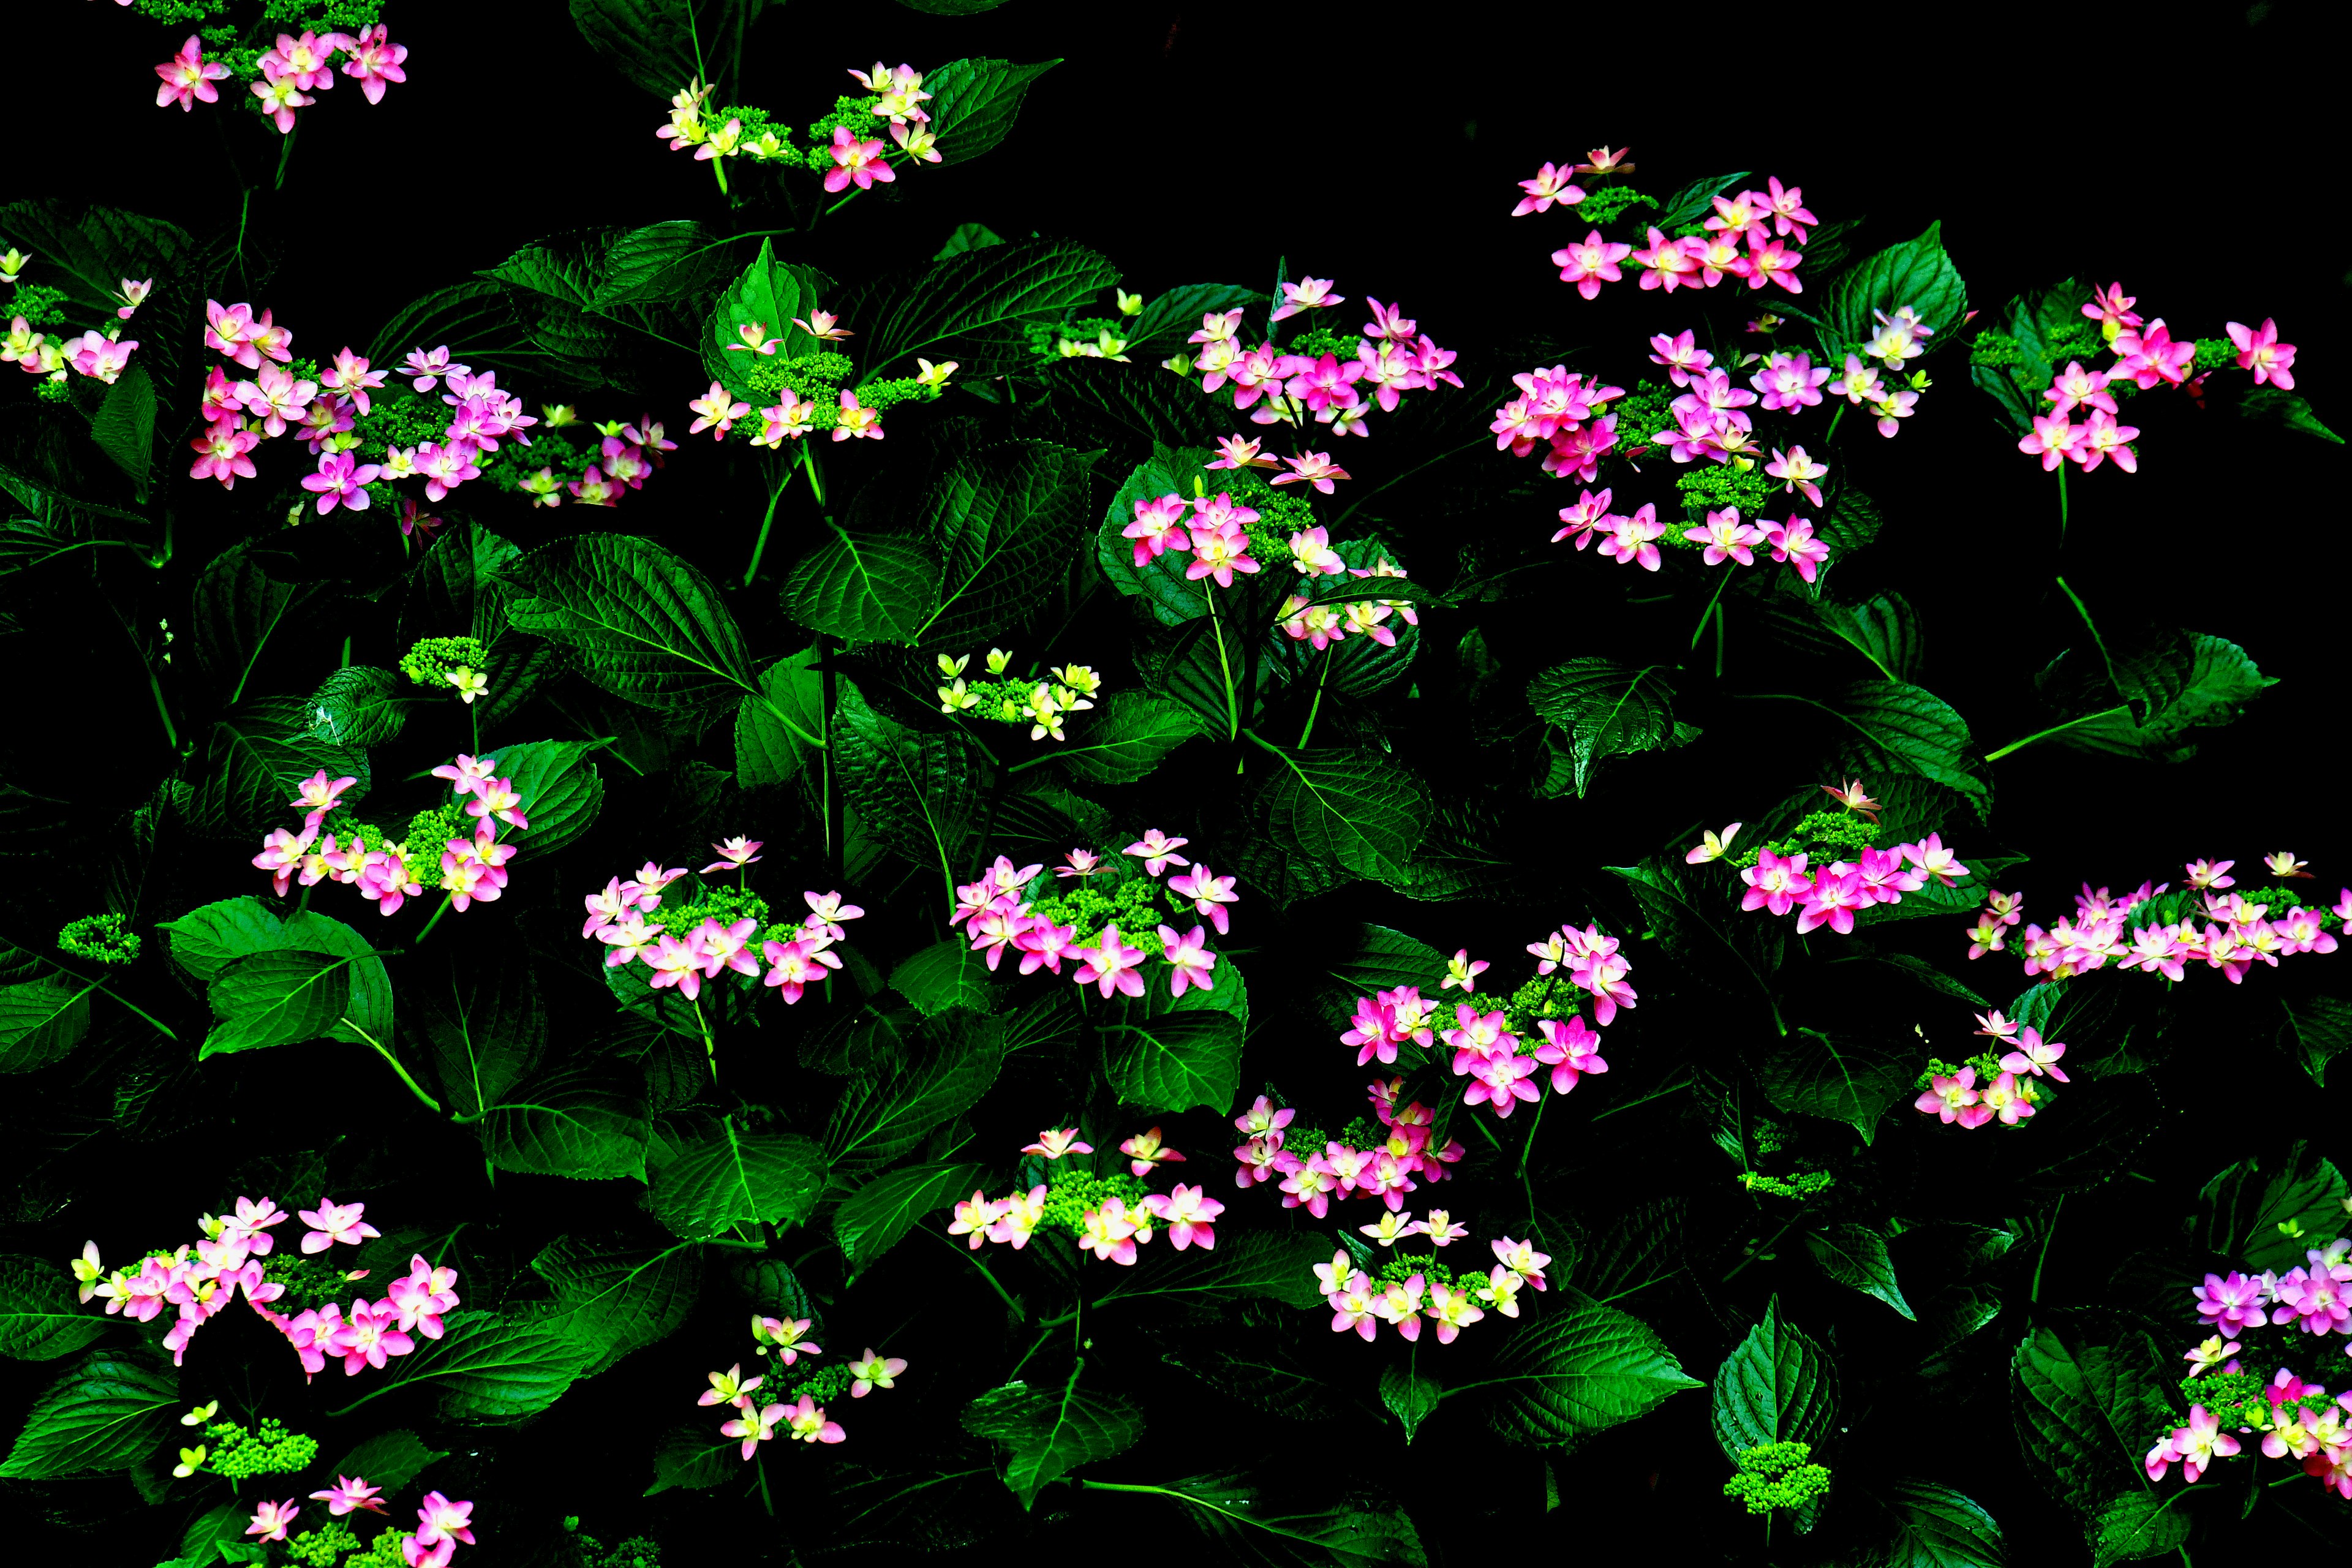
(971,306)
(871,1220)
(281,997)
(2090,1400)
(865,587)
(1883,628)
(693,1457)
(39,1319)
(619,1296)
(239,607)
(390,1459)
(1127,734)
(1856,1255)
(584,1119)
(1362,811)
(778,731)
(40,1021)
(883,1115)
(945,974)
(1931,1526)
(768,295)
(660,45)
(968,236)
(1358,1532)
(2262,1222)
(487,1027)
(2219,684)
(1003,522)
(110,1411)
(1917,273)
(1167,320)
(1918,732)
(495,1367)
(358,707)
(647,626)
(1411,1398)
(732,1178)
(2134,1525)
(916,791)
(561,788)
(1919,969)
(1581,1368)
(1605,708)
(125,426)
(1176,1061)
(1838,1077)
(1777,1386)
(2270,406)
(1051,1433)
(2317,1030)
(1695,201)
(1276,1264)
(974,103)
(254,760)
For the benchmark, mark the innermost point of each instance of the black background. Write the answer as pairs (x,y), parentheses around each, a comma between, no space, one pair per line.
(2183,155)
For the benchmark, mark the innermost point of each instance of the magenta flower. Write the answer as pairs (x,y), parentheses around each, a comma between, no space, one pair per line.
(2055,439)
(1308,294)
(270,1520)
(2260,352)
(2148,355)
(441,1522)
(796,965)
(1727,538)
(1313,468)
(1056,1141)
(1570,1050)
(1775,882)
(2112,309)
(1159,526)
(339,481)
(1954,1099)
(1774,263)
(371,61)
(1550,184)
(423,1295)
(1210,894)
(1220,553)
(1158,850)
(1190,1215)
(330,1223)
(1189,956)
(350,1493)
(188,76)
(1788,208)
(1501,1079)
(1110,964)
(677,965)
(1145,1152)
(280,98)
(369,1334)
(1633,539)
(716,412)
(734,855)
(856,160)
(1794,541)
(496,797)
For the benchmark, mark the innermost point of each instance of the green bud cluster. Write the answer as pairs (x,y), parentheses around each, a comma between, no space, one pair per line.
(2237,1399)
(102,939)
(1692,231)
(1642,413)
(1822,836)
(1546,996)
(1362,1132)
(1071,1192)
(400,418)
(817,377)
(1803,1184)
(1279,515)
(637,1551)
(1306,1140)
(429,832)
(717,901)
(1777,1475)
(1995,350)
(825,1386)
(319,1548)
(2212,354)
(1711,487)
(1399,1267)
(181,13)
(1316,341)
(310,1281)
(1602,205)
(1139,907)
(857,113)
(430,662)
(384,1552)
(271,1450)
(323,15)
(40,305)
(1986,1063)
(49,391)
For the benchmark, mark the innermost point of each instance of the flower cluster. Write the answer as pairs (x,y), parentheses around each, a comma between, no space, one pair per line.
(2296,1419)
(2200,924)
(105,939)
(470,868)
(1110,1215)
(199,1280)
(810,388)
(1312,1170)
(1007,910)
(283,78)
(847,144)
(1777,1475)
(723,929)
(1700,258)
(1781,877)
(1319,623)
(799,1413)
(99,355)
(2147,356)
(1411,1289)
(1320,374)
(1039,702)
(441,1524)
(2007,1092)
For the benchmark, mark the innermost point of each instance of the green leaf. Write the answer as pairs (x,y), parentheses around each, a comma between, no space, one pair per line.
(658,45)
(2090,1398)
(729,1178)
(883,1115)
(1917,273)
(205,939)
(495,1367)
(1051,1435)
(109,1413)
(971,306)
(1837,1076)
(2134,1525)
(916,791)
(584,1119)
(239,607)
(1176,1061)
(974,103)
(1931,1526)
(618,1295)
(1606,709)
(281,997)
(41,1021)
(456,590)
(390,1459)
(1384,960)
(39,1319)
(1278,1266)
(1003,522)
(692,1458)
(358,707)
(124,424)
(968,236)
(1856,1255)
(1919,969)
(1161,328)
(648,627)
(1695,201)
(1777,1386)
(2263,405)
(561,788)
(770,295)
(1906,728)
(1362,811)
(1701,922)
(872,1219)
(2317,1030)
(1883,628)
(777,732)
(2267,1223)
(1411,1398)
(254,760)
(945,974)
(370,1009)
(866,587)
(2047,327)
(1358,1532)
(487,1027)
(1129,734)
(2217,686)
(1589,1367)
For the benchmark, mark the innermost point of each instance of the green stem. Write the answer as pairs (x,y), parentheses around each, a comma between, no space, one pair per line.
(2045,734)
(170,733)
(759,1458)
(285,157)
(2062,507)
(759,545)
(445,900)
(1216,626)
(2034,1294)
(1718,642)
(431,1104)
(993,1282)
(1674,1087)
(1317,707)
(1831,435)
(1760,1251)
(1704,615)
(710,1050)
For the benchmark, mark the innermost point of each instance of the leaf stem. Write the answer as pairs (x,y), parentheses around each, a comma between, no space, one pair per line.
(446,899)
(2034,1294)
(1217,626)
(1831,435)
(1700,630)
(381,1049)
(710,1050)
(2062,507)
(759,545)
(994,1283)
(1763,1249)
(2054,729)
(1674,1087)
(1317,707)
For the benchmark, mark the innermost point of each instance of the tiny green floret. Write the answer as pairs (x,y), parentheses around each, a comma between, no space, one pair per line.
(102,939)
(267,1450)
(319,1548)
(1710,487)
(1071,1192)
(431,660)
(1777,1475)
(1600,206)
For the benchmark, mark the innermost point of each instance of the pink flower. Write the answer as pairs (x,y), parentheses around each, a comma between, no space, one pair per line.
(2211,874)
(715,413)
(1189,1213)
(850,421)
(348,1493)
(1189,956)
(856,160)
(2102,438)
(1667,263)
(1158,850)
(1315,469)
(1774,263)
(1145,1152)
(1592,261)
(305,62)
(973,1218)
(371,61)
(2260,352)
(496,797)
(1159,526)
(1727,538)
(1634,539)
(874,1372)
(1210,894)
(2075,387)
(339,480)
(2112,309)
(1053,1142)
(1110,964)
(368,1335)
(1570,1050)
(677,965)
(188,76)
(2148,355)
(1550,184)
(1680,355)
(1788,208)
(734,855)
(2054,438)
(280,98)
(796,965)
(1794,541)
(1954,1100)
(1775,883)
(330,1223)
(1220,553)
(423,1295)
(270,1520)
(440,1521)
(1309,294)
